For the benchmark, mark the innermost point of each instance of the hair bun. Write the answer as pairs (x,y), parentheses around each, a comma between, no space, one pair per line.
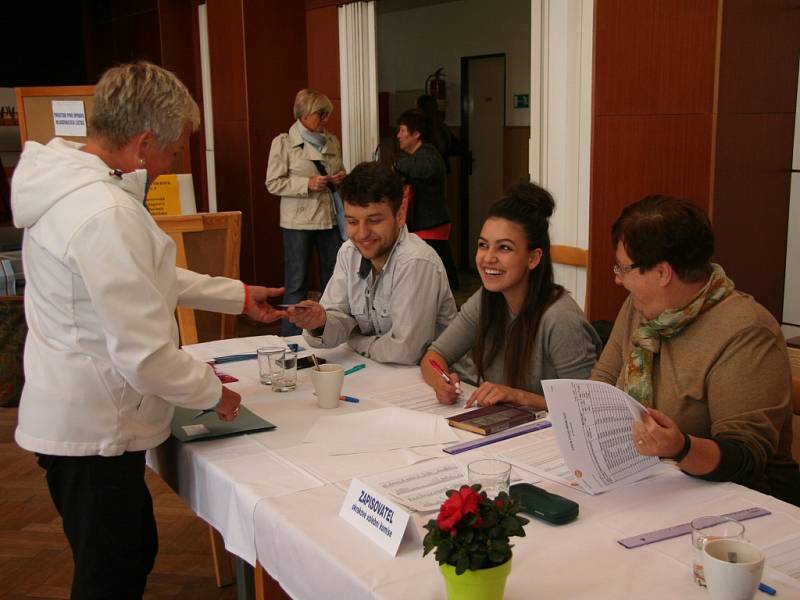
(537,198)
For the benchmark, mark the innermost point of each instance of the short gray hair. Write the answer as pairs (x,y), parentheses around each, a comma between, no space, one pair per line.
(137,97)
(309,101)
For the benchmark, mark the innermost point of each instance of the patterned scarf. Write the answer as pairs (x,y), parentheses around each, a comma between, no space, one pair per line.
(647,338)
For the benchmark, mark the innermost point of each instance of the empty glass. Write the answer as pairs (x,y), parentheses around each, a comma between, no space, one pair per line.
(493,475)
(263,354)
(706,529)
(283,370)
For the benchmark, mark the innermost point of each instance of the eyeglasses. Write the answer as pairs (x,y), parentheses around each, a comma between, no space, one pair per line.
(620,270)
(323,114)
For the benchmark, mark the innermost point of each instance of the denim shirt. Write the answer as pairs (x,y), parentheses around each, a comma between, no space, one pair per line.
(391,316)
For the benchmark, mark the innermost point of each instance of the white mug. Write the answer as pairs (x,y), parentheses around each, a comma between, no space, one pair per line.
(327,381)
(732,568)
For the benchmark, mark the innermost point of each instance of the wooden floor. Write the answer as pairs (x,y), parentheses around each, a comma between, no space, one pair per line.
(35,559)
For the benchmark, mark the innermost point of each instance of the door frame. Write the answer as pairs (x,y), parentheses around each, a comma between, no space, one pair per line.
(466,162)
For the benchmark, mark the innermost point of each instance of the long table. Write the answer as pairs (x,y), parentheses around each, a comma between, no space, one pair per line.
(279,511)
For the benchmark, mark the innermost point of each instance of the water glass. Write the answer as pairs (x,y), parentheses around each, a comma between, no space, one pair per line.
(263,354)
(493,475)
(706,529)
(284,375)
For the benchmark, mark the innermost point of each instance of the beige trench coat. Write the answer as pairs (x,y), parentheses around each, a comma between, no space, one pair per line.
(288,171)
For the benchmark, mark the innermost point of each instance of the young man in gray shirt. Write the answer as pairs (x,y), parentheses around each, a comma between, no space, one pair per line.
(388,297)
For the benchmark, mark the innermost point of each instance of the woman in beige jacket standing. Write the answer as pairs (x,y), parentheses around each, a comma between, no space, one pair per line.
(305,166)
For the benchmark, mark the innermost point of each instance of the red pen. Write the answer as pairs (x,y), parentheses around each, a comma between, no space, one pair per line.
(438,368)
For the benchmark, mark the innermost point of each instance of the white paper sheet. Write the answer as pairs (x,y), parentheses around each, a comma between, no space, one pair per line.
(69,117)
(209,350)
(538,453)
(422,487)
(784,556)
(315,459)
(418,396)
(379,430)
(593,422)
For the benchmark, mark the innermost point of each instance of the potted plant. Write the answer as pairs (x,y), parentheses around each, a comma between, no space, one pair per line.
(471,537)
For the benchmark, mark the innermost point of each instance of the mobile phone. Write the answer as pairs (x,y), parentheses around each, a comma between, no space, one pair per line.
(307,361)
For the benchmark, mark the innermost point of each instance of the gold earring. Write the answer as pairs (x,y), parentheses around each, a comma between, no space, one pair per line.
(141,162)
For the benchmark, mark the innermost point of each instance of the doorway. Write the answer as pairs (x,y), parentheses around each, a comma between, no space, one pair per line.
(483,91)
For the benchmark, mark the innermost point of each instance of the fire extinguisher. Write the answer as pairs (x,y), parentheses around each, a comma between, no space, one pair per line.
(436,86)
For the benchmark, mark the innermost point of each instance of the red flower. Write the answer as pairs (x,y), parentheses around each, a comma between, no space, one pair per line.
(499,503)
(464,502)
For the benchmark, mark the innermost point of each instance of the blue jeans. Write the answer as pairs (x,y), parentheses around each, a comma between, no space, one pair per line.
(297,244)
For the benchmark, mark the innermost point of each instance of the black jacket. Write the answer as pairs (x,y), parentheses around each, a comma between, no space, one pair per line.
(425,171)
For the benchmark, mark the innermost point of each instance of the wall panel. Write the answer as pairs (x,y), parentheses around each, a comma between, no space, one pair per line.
(322,31)
(654,56)
(258,62)
(634,156)
(751,204)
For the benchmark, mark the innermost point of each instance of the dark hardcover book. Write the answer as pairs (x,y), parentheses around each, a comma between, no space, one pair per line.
(497,417)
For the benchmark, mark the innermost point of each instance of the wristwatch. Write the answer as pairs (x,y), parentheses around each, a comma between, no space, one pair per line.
(687,446)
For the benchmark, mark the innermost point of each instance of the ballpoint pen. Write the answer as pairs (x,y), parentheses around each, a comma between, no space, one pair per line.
(355,368)
(349,399)
(763,587)
(438,368)
(233,358)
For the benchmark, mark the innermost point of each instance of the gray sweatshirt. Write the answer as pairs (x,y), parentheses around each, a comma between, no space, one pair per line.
(566,346)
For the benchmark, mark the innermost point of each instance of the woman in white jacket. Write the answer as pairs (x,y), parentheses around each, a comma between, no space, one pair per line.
(102,366)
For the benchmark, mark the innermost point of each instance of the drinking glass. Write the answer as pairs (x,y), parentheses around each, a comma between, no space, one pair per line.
(493,475)
(284,376)
(706,529)
(263,354)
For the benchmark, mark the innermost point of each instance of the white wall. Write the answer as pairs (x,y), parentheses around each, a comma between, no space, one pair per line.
(413,43)
(563,159)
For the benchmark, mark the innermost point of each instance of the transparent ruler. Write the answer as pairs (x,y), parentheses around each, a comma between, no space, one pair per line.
(678,530)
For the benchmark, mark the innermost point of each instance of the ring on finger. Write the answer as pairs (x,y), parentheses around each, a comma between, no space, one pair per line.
(640,442)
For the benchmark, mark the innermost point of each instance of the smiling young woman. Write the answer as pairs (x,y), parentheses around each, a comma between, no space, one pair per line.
(520,326)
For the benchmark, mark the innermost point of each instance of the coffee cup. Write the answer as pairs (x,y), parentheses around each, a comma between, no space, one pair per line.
(327,380)
(732,569)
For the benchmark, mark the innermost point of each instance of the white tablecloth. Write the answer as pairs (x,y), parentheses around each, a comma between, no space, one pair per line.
(272,506)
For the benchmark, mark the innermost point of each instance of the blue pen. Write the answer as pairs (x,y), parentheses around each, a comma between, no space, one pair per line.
(349,399)
(357,367)
(234,358)
(767,589)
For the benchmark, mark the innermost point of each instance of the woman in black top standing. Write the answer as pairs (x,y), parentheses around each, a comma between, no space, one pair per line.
(423,169)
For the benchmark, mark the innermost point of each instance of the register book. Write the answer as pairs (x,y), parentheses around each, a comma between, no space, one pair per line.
(497,417)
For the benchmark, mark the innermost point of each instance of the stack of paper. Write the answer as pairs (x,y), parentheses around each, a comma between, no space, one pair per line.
(208,350)
(423,487)
(379,430)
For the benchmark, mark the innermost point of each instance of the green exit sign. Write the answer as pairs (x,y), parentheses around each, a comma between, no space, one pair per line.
(521,101)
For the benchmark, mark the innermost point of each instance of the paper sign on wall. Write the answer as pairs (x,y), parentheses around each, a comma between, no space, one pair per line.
(69,118)
(163,197)
(381,520)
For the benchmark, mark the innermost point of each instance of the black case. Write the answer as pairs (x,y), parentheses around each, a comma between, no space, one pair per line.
(543,505)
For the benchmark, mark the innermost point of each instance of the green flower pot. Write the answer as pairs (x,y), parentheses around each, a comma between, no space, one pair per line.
(483,584)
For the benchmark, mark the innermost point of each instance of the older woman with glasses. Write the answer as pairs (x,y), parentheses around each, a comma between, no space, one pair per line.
(305,168)
(102,364)
(707,360)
